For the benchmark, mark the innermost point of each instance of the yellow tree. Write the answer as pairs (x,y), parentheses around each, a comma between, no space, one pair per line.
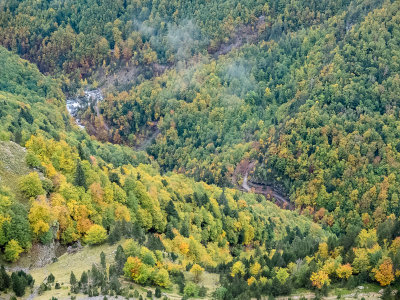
(251,280)
(12,251)
(323,251)
(122,213)
(132,267)
(237,268)
(282,275)
(384,275)
(140,272)
(319,279)
(361,261)
(367,238)
(96,235)
(344,271)
(255,269)
(196,270)
(40,216)
(96,192)
(161,278)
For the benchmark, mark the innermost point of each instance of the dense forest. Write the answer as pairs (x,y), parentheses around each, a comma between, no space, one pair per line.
(298,99)
(316,109)
(75,39)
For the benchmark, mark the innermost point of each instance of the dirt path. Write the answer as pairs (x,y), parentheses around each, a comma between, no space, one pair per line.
(263,189)
(245,183)
(354,295)
(34,293)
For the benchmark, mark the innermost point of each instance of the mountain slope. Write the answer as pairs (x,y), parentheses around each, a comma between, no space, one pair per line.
(81,196)
(306,104)
(317,109)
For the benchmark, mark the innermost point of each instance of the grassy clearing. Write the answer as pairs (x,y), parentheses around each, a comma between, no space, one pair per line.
(12,165)
(83,260)
(75,262)
(368,291)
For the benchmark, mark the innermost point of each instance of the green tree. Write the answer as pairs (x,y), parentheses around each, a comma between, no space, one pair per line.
(161,278)
(18,285)
(50,278)
(31,186)
(84,278)
(157,292)
(5,280)
(96,235)
(72,279)
(120,259)
(12,251)
(191,290)
(197,271)
(80,177)
(103,260)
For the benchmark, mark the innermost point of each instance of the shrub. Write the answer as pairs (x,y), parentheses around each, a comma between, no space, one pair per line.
(157,292)
(135,294)
(191,290)
(51,278)
(202,291)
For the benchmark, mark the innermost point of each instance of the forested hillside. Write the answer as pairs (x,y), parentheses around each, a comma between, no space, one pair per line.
(317,109)
(211,110)
(71,188)
(76,38)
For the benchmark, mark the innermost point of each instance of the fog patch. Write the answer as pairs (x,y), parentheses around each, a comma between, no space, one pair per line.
(237,77)
(184,39)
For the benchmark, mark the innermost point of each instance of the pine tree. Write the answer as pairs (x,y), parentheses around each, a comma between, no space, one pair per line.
(157,292)
(112,271)
(96,275)
(154,243)
(25,114)
(103,260)
(185,229)
(171,211)
(80,178)
(127,228)
(115,234)
(138,233)
(51,278)
(227,210)
(115,285)
(18,285)
(120,259)
(81,152)
(4,279)
(169,233)
(222,198)
(72,279)
(18,136)
(84,278)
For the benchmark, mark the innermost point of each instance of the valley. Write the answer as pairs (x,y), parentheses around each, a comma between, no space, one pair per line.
(199,149)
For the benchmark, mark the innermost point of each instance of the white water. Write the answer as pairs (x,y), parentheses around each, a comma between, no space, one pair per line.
(79,103)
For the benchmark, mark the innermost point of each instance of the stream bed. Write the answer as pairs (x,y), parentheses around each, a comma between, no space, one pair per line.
(77,104)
